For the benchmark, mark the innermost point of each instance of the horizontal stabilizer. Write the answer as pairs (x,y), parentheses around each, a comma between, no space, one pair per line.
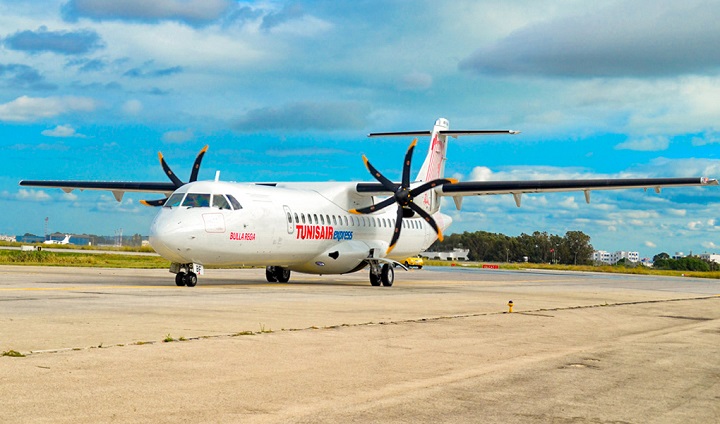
(451,133)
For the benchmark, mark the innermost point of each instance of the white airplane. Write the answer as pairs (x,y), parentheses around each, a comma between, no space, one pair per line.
(322,227)
(66,240)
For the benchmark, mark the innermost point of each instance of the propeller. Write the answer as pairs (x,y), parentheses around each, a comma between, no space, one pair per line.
(403,196)
(177,181)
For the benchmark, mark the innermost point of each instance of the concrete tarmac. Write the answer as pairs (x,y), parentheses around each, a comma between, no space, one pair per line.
(439,346)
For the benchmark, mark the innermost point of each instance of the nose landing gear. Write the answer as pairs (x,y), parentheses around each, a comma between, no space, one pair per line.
(188,277)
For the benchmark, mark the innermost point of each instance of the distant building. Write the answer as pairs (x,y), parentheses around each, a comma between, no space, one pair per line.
(30,239)
(609,258)
(455,255)
(710,257)
(7,238)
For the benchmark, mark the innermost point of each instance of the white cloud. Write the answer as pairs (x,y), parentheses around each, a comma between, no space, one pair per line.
(62,131)
(180,136)
(650,244)
(481,173)
(132,107)
(647,144)
(30,109)
(70,197)
(710,245)
(32,195)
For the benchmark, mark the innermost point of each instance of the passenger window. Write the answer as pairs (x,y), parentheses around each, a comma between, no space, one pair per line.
(233,201)
(302,217)
(219,201)
(334,220)
(327,219)
(297,221)
(346,221)
(197,200)
(322,220)
(289,217)
(174,200)
(315,219)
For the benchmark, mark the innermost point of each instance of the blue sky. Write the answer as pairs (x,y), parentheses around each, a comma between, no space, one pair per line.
(287,91)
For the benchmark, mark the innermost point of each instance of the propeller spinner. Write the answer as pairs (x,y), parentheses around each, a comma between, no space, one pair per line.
(403,196)
(177,181)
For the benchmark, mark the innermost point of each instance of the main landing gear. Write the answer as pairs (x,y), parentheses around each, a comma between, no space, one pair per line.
(381,274)
(277,274)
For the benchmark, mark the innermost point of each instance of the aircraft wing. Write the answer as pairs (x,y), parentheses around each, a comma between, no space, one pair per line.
(118,188)
(517,188)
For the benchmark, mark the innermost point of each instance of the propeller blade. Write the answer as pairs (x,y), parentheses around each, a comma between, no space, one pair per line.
(178,183)
(431,184)
(427,218)
(196,165)
(376,207)
(406,164)
(159,202)
(378,176)
(396,232)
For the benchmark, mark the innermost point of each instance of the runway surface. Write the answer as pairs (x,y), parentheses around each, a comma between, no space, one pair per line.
(437,347)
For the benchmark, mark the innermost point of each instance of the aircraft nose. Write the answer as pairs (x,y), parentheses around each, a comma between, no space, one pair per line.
(170,237)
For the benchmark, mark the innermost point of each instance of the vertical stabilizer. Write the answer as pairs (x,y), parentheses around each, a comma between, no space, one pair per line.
(434,165)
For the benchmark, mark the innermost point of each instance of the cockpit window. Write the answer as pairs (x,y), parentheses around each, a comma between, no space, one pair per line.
(233,201)
(219,201)
(197,200)
(174,200)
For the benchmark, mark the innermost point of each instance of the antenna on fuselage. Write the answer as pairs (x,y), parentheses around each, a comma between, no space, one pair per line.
(217,176)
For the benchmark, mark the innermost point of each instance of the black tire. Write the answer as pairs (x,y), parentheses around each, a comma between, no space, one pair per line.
(190,279)
(282,274)
(419,267)
(270,274)
(374,279)
(387,275)
(407,265)
(180,279)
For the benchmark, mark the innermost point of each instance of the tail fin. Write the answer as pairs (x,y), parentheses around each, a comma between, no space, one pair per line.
(434,165)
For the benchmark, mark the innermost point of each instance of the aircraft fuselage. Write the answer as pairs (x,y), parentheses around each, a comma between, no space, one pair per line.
(303,227)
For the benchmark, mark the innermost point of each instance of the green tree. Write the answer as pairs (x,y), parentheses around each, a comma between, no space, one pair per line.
(579,247)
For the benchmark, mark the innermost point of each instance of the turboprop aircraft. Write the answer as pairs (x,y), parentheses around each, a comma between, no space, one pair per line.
(323,227)
(66,240)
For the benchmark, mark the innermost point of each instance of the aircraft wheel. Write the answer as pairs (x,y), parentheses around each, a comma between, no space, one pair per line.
(270,274)
(282,274)
(387,275)
(374,279)
(190,279)
(180,279)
